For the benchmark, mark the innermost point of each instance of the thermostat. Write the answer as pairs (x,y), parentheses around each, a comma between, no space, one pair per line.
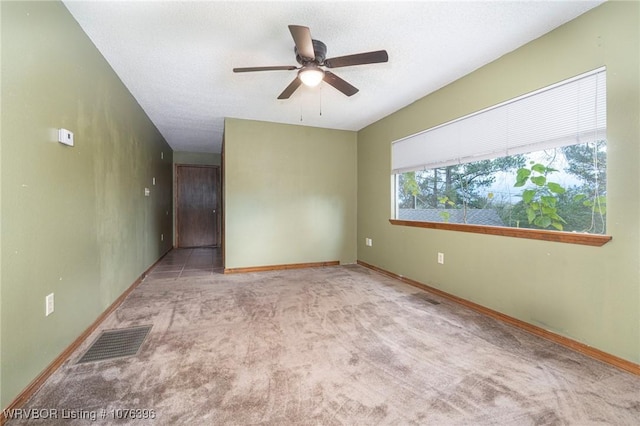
(65,136)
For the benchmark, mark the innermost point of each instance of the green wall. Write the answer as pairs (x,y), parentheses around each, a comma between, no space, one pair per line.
(589,294)
(198,158)
(290,194)
(75,220)
(2,404)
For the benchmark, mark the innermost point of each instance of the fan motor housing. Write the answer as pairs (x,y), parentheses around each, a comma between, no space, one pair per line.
(320,50)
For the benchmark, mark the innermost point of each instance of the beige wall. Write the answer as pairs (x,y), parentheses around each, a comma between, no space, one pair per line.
(290,194)
(588,294)
(75,220)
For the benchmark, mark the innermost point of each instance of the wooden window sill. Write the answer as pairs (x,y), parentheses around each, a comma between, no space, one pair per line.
(532,234)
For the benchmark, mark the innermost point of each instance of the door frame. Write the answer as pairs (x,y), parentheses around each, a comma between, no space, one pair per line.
(219,214)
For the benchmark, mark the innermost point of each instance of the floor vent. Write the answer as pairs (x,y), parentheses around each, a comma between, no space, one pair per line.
(116,344)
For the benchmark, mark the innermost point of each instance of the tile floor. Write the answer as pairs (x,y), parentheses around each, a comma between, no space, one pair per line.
(189,262)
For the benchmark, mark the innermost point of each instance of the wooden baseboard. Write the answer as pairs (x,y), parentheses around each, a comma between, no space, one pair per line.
(587,350)
(280,267)
(33,387)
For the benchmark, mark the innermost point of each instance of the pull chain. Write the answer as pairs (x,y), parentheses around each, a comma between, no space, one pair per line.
(301,101)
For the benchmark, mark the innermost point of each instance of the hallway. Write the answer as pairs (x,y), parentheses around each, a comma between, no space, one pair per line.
(189,262)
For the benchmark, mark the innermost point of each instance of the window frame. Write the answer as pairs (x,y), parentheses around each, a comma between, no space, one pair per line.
(581,238)
(596,240)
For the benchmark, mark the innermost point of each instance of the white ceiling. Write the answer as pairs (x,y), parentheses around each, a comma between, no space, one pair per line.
(176,58)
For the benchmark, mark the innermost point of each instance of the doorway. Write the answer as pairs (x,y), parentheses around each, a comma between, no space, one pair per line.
(197,206)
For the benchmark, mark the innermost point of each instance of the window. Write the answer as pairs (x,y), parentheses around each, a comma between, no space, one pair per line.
(537,162)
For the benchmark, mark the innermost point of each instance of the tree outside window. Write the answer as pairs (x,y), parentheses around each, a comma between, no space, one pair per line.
(561,188)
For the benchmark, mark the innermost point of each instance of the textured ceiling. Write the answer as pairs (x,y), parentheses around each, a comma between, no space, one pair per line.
(176,58)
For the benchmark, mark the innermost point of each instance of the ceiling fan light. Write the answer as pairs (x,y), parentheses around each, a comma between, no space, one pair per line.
(311,76)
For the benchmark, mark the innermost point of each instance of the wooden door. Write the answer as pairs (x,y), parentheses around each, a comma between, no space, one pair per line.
(197,206)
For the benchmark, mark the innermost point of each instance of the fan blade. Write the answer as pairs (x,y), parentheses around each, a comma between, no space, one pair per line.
(290,89)
(304,44)
(276,68)
(339,84)
(357,59)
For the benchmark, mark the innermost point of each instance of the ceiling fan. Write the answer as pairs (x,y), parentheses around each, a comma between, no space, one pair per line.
(311,55)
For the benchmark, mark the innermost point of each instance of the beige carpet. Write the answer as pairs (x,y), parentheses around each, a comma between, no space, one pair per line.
(336,345)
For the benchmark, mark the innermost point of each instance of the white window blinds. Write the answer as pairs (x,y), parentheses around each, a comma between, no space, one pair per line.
(567,113)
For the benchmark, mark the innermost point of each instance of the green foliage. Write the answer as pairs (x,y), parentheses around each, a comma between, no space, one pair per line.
(446,202)
(555,188)
(599,204)
(540,201)
(410,185)
(588,162)
(464,185)
(578,205)
(573,205)
(445,215)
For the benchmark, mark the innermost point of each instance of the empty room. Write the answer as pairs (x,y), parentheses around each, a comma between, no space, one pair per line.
(320,212)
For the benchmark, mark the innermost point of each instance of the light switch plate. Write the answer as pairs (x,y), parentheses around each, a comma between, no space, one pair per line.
(49,307)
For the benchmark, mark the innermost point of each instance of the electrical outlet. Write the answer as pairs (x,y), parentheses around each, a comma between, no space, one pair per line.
(48,303)
(441,258)
(161,237)
(368,242)
(65,136)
